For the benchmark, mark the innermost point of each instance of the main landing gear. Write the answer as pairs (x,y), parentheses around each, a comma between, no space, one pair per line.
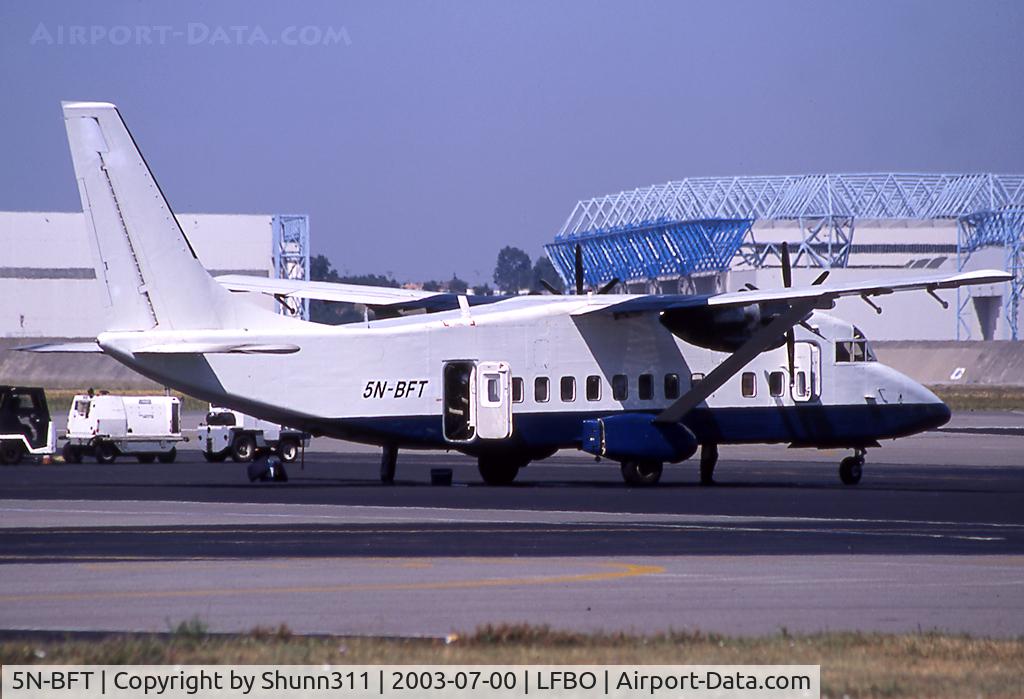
(496,470)
(641,472)
(708,460)
(388,461)
(850,468)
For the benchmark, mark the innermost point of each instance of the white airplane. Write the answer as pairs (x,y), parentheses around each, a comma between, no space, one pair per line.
(638,379)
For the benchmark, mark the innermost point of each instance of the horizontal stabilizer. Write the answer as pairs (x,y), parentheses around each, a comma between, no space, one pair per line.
(324,291)
(75,347)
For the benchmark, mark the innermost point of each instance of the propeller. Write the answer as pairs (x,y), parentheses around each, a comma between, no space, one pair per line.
(787,281)
(579,270)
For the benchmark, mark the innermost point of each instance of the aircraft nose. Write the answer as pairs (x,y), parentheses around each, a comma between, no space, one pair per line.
(930,411)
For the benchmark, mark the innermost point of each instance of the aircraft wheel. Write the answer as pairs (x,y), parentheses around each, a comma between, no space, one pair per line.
(106,453)
(168,457)
(641,472)
(243,448)
(708,460)
(11,453)
(215,458)
(497,471)
(388,463)
(288,450)
(71,453)
(850,470)
(145,458)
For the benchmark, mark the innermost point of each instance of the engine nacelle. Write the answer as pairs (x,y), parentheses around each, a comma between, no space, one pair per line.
(635,436)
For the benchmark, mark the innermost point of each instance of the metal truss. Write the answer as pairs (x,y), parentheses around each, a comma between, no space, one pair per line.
(868,196)
(825,206)
(291,258)
(650,251)
(983,229)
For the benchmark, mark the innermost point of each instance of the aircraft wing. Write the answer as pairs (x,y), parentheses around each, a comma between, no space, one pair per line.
(325,291)
(824,294)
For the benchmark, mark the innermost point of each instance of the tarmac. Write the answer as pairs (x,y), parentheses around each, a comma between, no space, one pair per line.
(933,538)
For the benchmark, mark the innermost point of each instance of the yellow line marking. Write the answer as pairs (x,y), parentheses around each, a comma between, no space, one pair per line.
(616,571)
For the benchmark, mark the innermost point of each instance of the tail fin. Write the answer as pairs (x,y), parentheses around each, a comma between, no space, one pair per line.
(150,274)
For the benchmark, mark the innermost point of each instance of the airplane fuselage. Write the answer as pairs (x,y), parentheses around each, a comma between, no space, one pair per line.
(382,382)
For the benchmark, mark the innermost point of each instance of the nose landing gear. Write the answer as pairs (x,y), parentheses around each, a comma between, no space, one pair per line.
(850,468)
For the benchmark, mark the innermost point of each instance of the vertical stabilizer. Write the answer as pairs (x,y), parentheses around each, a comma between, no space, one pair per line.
(150,274)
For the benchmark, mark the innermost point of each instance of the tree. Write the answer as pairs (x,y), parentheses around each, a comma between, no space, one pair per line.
(543,269)
(512,271)
(483,290)
(332,312)
(456,285)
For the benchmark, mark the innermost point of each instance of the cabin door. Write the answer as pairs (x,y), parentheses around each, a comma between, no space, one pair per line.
(477,400)
(806,372)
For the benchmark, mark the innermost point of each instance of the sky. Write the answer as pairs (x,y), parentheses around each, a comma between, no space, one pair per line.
(421,137)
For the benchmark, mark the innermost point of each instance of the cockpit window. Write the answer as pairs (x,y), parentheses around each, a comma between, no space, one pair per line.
(856,350)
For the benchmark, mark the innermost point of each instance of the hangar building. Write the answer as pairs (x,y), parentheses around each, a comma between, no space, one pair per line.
(702,235)
(48,284)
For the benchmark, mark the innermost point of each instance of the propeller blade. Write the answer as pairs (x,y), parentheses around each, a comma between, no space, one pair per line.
(550,288)
(791,355)
(579,270)
(787,268)
(821,277)
(609,286)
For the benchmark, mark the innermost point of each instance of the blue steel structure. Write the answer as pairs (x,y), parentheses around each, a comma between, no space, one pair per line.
(291,257)
(634,235)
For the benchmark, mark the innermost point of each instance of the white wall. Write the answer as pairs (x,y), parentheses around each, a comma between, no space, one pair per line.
(48,286)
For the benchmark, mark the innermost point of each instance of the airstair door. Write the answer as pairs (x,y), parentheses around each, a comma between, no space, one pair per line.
(806,372)
(493,400)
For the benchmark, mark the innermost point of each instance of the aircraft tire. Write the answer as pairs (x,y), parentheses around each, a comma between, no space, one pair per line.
(498,471)
(388,464)
(71,453)
(106,453)
(243,448)
(215,458)
(850,470)
(708,460)
(11,453)
(168,457)
(288,450)
(641,473)
(145,458)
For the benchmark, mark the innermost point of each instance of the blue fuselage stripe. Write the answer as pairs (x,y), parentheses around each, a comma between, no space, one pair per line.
(805,425)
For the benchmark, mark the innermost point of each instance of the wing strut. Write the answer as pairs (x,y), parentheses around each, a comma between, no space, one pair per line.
(758,343)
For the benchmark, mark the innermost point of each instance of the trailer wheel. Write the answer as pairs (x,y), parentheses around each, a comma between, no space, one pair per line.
(145,458)
(71,453)
(243,448)
(11,453)
(288,450)
(168,457)
(106,453)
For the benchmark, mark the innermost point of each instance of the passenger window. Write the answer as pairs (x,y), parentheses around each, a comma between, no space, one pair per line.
(645,387)
(671,386)
(593,388)
(493,389)
(776,383)
(568,387)
(517,389)
(749,384)
(696,379)
(800,389)
(620,387)
(541,389)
